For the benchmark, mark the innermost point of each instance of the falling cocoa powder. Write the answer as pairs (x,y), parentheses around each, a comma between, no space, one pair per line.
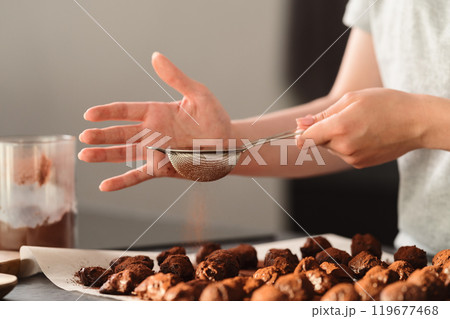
(196,217)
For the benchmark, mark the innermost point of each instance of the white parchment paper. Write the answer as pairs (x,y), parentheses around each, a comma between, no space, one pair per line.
(60,264)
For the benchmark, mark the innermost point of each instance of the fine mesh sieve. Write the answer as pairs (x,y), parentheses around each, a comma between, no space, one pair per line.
(207,165)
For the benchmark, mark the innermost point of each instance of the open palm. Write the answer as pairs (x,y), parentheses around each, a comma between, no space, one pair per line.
(198,115)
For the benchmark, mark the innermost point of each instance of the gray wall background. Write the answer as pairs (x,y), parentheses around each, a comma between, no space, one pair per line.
(55,63)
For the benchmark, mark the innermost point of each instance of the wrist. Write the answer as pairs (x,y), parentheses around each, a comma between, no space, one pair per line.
(435,122)
(243,129)
(237,129)
(420,128)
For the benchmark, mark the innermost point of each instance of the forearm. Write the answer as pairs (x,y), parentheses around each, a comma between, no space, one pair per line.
(358,70)
(272,155)
(435,122)
(279,121)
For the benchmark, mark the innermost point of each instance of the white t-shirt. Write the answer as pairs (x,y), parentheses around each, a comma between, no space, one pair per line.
(412,46)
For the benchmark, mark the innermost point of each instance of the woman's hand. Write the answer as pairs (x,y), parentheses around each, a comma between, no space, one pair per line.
(198,115)
(369,127)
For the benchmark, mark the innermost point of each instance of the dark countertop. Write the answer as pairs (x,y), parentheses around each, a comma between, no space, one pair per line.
(39,288)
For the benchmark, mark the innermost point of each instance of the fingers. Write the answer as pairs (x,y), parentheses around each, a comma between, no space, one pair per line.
(119,111)
(346,100)
(304,122)
(110,135)
(321,132)
(155,167)
(341,104)
(128,179)
(113,154)
(322,127)
(173,76)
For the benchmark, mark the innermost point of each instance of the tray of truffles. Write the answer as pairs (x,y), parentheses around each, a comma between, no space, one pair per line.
(327,267)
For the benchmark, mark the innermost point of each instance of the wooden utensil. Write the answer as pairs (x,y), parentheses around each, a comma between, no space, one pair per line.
(9,262)
(7,283)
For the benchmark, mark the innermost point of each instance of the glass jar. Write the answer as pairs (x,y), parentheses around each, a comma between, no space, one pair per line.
(37,191)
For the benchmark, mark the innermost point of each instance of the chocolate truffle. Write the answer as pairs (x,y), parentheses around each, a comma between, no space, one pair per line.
(178,265)
(120,283)
(123,282)
(283,265)
(375,280)
(246,255)
(402,268)
(369,289)
(219,265)
(341,292)
(333,255)
(230,289)
(205,250)
(341,272)
(212,271)
(186,291)
(402,291)
(229,260)
(314,245)
(296,286)
(139,272)
(320,280)
(433,268)
(222,255)
(445,277)
(446,266)
(362,262)
(121,263)
(117,261)
(176,250)
(441,257)
(246,284)
(198,286)
(218,291)
(307,263)
(269,275)
(381,274)
(252,284)
(285,253)
(430,283)
(415,256)
(93,276)
(236,281)
(246,272)
(181,292)
(156,286)
(366,242)
(268,293)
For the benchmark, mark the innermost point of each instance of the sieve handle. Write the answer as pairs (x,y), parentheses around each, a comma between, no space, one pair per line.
(275,138)
(162,150)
